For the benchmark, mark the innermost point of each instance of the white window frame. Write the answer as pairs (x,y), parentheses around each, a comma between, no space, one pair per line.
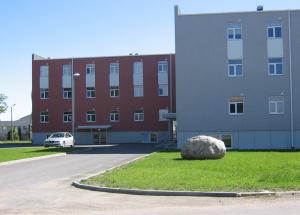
(235,103)
(114,116)
(163,67)
(114,91)
(90,69)
(67,115)
(67,93)
(138,116)
(67,70)
(44,117)
(90,91)
(235,65)
(90,115)
(274,64)
(234,27)
(44,93)
(221,137)
(273,27)
(276,100)
(161,112)
(138,90)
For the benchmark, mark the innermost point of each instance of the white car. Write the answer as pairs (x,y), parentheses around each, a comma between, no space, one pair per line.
(60,139)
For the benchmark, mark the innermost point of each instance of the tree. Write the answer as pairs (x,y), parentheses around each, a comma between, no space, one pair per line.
(16,135)
(3,105)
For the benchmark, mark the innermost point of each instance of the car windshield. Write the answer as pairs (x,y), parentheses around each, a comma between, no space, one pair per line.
(57,135)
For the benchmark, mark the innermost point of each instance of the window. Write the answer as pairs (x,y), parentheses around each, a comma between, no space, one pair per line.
(234,32)
(43,93)
(275,66)
(44,71)
(67,70)
(91,116)
(138,84)
(67,116)
(153,138)
(274,31)
(235,68)
(276,105)
(90,69)
(44,117)
(227,139)
(67,93)
(163,78)
(90,92)
(114,116)
(236,105)
(114,91)
(138,90)
(162,114)
(139,115)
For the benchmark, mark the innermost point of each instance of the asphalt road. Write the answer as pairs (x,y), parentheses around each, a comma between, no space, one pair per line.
(43,187)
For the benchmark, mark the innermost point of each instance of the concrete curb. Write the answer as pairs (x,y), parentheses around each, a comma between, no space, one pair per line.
(31,159)
(79,185)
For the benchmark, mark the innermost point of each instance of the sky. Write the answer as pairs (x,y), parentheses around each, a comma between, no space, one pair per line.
(86,28)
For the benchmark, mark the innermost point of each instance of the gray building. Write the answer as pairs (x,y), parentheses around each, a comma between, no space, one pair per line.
(237,78)
(23,124)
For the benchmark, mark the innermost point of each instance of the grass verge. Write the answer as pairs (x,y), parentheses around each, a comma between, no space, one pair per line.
(16,142)
(237,171)
(9,154)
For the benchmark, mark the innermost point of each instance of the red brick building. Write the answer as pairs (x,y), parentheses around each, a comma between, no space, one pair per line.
(117,99)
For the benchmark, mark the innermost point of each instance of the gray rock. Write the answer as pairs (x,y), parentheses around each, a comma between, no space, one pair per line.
(203,147)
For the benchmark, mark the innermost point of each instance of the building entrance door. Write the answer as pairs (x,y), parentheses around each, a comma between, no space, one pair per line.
(99,138)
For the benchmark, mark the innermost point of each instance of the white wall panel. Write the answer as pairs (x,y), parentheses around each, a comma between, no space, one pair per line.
(275,48)
(235,49)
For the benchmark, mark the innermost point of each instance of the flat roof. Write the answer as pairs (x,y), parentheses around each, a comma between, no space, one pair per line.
(233,12)
(38,57)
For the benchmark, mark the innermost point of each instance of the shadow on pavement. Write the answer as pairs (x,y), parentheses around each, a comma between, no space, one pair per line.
(128,148)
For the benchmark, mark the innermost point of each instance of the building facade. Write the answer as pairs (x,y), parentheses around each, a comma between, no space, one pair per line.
(237,78)
(23,124)
(120,99)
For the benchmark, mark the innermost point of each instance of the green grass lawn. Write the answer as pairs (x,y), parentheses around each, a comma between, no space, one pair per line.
(9,154)
(15,142)
(237,171)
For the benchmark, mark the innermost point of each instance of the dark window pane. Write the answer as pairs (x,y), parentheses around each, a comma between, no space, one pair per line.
(278,32)
(239,70)
(232,108)
(270,32)
(279,68)
(240,107)
(231,70)
(271,69)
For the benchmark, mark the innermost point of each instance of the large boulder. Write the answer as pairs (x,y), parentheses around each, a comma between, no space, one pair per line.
(203,147)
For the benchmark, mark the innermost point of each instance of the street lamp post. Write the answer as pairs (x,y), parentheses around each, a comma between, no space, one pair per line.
(11,122)
(74,75)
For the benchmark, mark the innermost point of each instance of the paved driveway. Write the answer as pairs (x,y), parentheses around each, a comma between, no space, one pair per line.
(43,187)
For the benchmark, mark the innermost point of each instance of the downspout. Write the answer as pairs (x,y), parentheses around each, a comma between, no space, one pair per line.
(171,85)
(73,98)
(291,84)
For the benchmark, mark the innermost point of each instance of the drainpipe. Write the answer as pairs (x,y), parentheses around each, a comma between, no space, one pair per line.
(291,84)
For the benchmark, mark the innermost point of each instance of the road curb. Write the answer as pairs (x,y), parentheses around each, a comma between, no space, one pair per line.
(31,159)
(79,185)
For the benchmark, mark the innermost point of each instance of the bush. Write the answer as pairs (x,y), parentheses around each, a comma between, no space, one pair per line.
(16,135)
